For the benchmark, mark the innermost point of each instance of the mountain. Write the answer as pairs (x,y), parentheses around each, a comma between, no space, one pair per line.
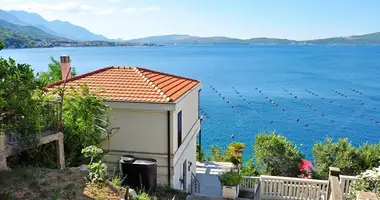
(188,39)
(4,15)
(19,36)
(56,27)
(369,39)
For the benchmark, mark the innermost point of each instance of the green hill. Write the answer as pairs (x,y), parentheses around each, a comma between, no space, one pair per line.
(18,36)
(367,39)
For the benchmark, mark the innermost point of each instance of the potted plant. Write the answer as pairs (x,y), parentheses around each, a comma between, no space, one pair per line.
(230,184)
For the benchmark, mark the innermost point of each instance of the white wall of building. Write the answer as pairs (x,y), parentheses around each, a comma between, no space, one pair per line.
(143,133)
(189,106)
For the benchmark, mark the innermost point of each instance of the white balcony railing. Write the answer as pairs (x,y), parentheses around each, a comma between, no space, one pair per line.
(250,183)
(277,187)
(345,182)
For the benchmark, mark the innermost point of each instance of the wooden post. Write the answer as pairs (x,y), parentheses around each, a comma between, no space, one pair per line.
(334,191)
(59,146)
(3,156)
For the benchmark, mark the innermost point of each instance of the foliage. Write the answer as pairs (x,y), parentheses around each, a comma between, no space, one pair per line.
(249,169)
(200,154)
(351,160)
(340,154)
(97,171)
(217,154)
(20,102)
(54,72)
(235,152)
(276,156)
(84,122)
(368,181)
(142,196)
(230,178)
(2,46)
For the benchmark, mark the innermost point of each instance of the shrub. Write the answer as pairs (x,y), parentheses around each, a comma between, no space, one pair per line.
(200,154)
(97,171)
(276,156)
(340,154)
(230,178)
(84,122)
(367,181)
(249,169)
(217,154)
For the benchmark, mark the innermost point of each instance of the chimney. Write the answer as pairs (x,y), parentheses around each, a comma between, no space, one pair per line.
(65,67)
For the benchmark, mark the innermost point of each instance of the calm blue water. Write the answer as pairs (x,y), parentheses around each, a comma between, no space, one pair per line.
(236,71)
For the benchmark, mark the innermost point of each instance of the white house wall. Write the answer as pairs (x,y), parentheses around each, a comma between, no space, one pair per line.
(142,134)
(190,127)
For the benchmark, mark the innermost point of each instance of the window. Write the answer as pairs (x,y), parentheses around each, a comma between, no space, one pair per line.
(179,127)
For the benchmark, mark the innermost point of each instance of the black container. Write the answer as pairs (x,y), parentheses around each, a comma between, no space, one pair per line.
(141,173)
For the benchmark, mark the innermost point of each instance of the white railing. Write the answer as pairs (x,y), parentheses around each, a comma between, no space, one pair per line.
(345,182)
(277,187)
(250,183)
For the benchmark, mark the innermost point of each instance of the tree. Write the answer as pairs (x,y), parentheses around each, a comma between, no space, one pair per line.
(276,156)
(54,72)
(84,122)
(350,159)
(19,106)
(2,46)
(339,154)
(249,169)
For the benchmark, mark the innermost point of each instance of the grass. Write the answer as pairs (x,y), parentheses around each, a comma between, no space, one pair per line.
(41,183)
(52,184)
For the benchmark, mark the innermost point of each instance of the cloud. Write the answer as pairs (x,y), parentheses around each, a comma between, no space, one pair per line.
(104,12)
(147,9)
(150,9)
(114,1)
(64,6)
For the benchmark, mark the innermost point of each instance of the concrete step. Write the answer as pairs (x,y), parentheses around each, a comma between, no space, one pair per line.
(202,197)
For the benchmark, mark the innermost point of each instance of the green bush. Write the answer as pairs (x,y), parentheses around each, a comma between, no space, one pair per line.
(340,154)
(276,156)
(84,122)
(200,154)
(249,169)
(368,181)
(217,154)
(97,171)
(230,178)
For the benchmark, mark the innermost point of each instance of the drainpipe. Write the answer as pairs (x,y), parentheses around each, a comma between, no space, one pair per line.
(169,143)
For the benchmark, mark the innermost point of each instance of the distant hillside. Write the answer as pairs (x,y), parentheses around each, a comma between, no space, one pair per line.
(188,39)
(368,39)
(56,27)
(18,36)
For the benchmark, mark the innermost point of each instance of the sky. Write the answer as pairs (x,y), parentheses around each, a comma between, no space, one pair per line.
(291,19)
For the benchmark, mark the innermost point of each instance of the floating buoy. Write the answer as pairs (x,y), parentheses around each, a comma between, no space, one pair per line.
(306,124)
(232,136)
(298,120)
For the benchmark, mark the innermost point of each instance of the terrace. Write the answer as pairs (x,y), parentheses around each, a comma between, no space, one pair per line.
(11,143)
(274,187)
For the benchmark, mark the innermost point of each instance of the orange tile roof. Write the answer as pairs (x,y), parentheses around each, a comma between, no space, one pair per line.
(133,84)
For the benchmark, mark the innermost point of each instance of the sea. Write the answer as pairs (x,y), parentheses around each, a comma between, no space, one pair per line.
(306,93)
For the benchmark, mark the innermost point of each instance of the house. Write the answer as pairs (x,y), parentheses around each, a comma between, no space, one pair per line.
(157,116)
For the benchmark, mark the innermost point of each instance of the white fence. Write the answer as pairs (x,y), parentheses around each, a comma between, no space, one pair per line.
(250,183)
(277,187)
(345,182)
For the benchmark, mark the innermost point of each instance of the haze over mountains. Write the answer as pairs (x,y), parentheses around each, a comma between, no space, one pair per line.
(21,29)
